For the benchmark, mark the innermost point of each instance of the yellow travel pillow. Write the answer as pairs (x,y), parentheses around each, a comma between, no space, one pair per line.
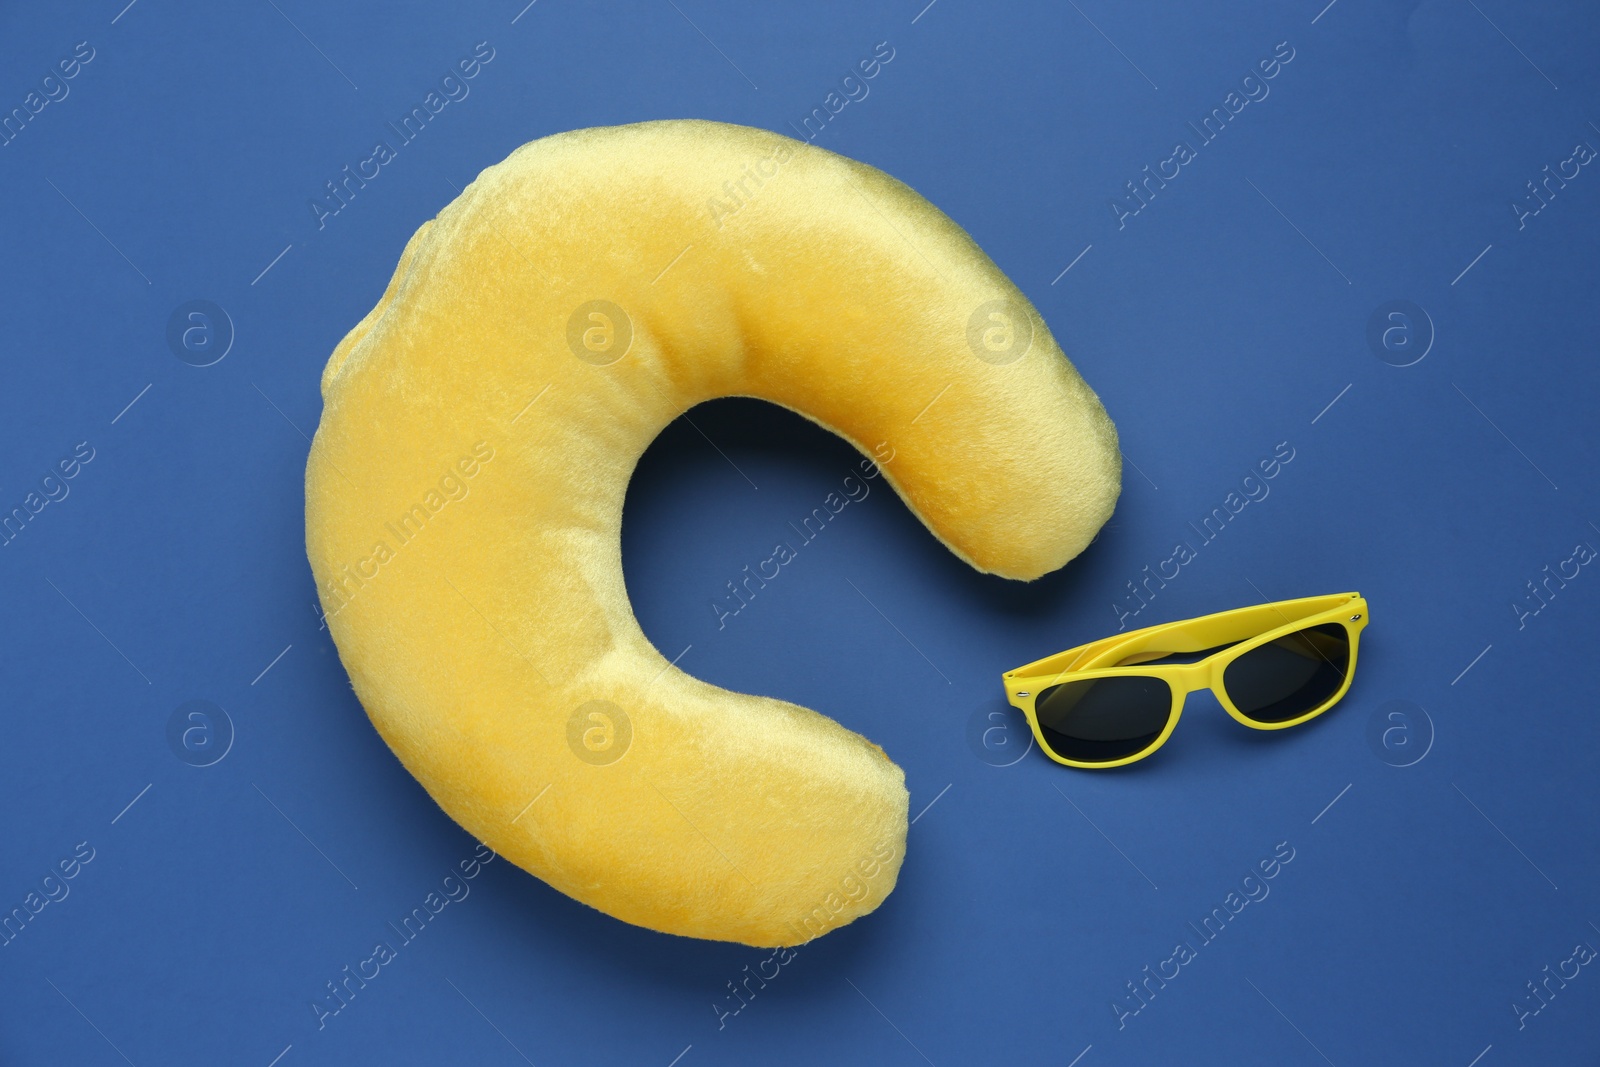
(464,500)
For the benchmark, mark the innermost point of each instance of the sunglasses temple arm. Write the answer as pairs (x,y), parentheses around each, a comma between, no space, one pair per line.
(1064,663)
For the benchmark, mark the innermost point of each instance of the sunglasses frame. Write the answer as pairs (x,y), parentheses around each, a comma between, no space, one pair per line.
(1118,656)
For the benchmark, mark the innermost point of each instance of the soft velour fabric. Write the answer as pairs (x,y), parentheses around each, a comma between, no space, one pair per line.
(464,500)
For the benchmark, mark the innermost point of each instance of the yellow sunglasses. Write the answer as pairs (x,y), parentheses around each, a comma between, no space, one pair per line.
(1271,666)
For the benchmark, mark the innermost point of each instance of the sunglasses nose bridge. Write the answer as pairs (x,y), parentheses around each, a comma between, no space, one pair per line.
(1198,676)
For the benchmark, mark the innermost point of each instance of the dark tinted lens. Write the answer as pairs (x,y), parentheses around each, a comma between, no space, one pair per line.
(1103,719)
(1286,678)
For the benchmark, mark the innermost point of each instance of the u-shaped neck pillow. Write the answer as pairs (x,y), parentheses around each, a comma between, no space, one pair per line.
(464,500)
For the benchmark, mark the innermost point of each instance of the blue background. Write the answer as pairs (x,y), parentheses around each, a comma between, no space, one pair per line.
(1222,319)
